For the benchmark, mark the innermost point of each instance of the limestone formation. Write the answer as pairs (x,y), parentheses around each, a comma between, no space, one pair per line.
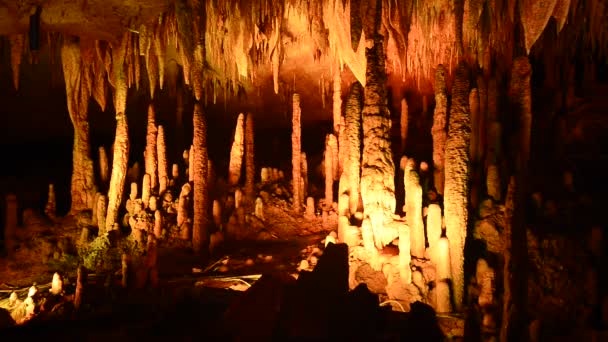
(237,151)
(238,198)
(443,274)
(80,282)
(217,213)
(259,208)
(413,200)
(304,171)
(51,204)
(153,204)
(200,228)
(151,160)
(329,169)
(175,171)
(119,169)
(377,169)
(145,189)
(183,204)
(158,224)
(104,168)
(457,179)
(433,228)
(310,206)
(101,214)
(404,123)
(405,258)
(352,150)
(161,154)
(493,183)
(191,165)
(439,127)
(332,141)
(296,141)
(56,284)
(485,277)
(337,100)
(265,175)
(249,158)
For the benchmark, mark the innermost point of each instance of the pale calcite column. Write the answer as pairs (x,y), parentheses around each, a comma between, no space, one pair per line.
(237,151)
(352,148)
(378,169)
(438,130)
(296,141)
(151,154)
(443,303)
(78,92)
(249,159)
(161,153)
(456,196)
(200,229)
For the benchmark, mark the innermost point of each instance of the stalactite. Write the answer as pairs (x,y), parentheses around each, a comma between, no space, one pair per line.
(236,153)
(296,138)
(151,159)
(104,168)
(439,127)
(152,69)
(534,18)
(413,193)
(159,50)
(329,167)
(77,92)
(249,159)
(378,170)
(200,229)
(16,41)
(161,154)
(119,163)
(352,131)
(457,179)
(475,125)
(404,123)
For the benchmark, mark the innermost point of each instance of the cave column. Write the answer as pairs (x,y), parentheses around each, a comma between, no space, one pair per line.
(296,141)
(200,233)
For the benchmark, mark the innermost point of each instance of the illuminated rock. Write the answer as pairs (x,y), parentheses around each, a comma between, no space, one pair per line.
(56,284)
(439,127)
(413,203)
(237,151)
(404,123)
(443,275)
(161,154)
(104,168)
(151,155)
(304,171)
(433,229)
(328,160)
(352,149)
(183,204)
(493,183)
(259,208)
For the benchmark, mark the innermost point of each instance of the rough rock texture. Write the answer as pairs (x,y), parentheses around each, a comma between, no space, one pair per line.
(304,169)
(352,131)
(161,153)
(200,228)
(119,170)
(378,169)
(151,160)
(457,179)
(249,159)
(296,141)
(78,91)
(236,153)
(438,130)
(405,272)
(413,193)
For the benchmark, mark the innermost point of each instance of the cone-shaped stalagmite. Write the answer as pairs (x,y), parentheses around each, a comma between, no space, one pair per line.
(413,203)
(378,169)
(249,159)
(236,153)
(296,140)
(439,127)
(352,130)
(200,227)
(457,179)
(145,190)
(161,153)
(151,159)
(78,91)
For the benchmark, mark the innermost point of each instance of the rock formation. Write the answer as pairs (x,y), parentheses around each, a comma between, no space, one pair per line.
(200,228)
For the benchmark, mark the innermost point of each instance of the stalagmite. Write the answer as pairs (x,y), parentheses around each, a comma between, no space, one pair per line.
(190,164)
(16,41)
(200,228)
(104,168)
(151,159)
(259,208)
(404,122)
(352,131)
(337,100)
(249,159)
(405,254)
(10,223)
(443,274)
(439,127)
(296,140)
(304,169)
(333,142)
(236,153)
(145,190)
(433,228)
(77,93)
(238,198)
(56,284)
(158,224)
(485,278)
(457,179)
(119,170)
(80,281)
(413,193)
(161,154)
(377,170)
(51,205)
(101,214)
(175,171)
(329,179)
(493,183)
(310,207)
(265,175)
(475,125)
(153,203)
(217,213)
(183,204)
